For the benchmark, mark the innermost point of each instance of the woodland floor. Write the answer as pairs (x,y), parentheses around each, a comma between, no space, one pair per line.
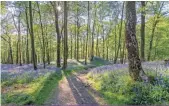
(73,90)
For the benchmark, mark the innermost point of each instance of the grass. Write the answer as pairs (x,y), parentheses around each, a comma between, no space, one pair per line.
(99,61)
(34,92)
(52,81)
(118,88)
(25,90)
(48,85)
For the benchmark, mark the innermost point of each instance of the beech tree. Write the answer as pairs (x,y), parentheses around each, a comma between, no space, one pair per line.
(142,29)
(135,68)
(57,31)
(95,31)
(32,37)
(88,26)
(65,36)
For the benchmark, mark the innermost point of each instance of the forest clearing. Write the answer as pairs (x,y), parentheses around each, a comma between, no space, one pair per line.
(84,53)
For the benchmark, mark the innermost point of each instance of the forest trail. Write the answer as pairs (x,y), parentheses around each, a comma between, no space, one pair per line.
(74,90)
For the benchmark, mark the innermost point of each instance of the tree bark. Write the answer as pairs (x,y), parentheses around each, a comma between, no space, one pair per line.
(103,41)
(78,26)
(58,32)
(10,49)
(19,41)
(135,69)
(10,55)
(71,47)
(155,22)
(120,30)
(115,46)
(43,39)
(92,49)
(107,44)
(142,30)
(65,36)
(17,56)
(97,42)
(34,59)
(151,40)
(27,37)
(87,35)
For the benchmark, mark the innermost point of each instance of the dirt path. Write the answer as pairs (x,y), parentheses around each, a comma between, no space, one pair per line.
(73,90)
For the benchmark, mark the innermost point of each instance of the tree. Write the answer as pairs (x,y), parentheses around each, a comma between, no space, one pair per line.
(142,29)
(135,69)
(17,27)
(78,27)
(157,13)
(32,37)
(27,32)
(87,35)
(43,38)
(65,36)
(92,48)
(115,46)
(57,31)
(120,30)
(105,38)
(19,40)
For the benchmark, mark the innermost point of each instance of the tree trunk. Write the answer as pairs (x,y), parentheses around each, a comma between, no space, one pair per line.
(120,30)
(115,50)
(142,30)
(19,41)
(83,48)
(75,55)
(135,69)
(71,47)
(43,39)
(87,35)
(34,59)
(103,40)
(48,51)
(97,42)
(27,37)
(122,57)
(156,44)
(92,49)
(10,50)
(65,36)
(23,50)
(151,40)
(17,53)
(103,44)
(107,56)
(58,32)
(78,26)
(155,22)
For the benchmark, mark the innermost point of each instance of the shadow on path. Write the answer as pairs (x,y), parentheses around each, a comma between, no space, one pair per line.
(79,90)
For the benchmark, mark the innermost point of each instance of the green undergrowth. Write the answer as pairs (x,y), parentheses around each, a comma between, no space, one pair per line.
(22,79)
(118,88)
(97,61)
(48,85)
(35,92)
(27,90)
(69,71)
